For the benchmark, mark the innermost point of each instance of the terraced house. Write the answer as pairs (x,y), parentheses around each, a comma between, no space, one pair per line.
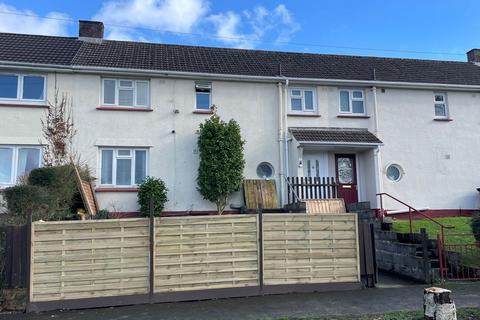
(402,126)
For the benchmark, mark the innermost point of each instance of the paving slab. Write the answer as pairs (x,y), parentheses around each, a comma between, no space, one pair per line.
(367,301)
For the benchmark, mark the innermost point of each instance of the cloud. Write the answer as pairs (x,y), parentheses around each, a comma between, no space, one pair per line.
(32,24)
(172,15)
(261,22)
(245,29)
(227,28)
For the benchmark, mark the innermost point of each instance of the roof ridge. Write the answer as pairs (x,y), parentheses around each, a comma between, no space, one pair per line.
(253,50)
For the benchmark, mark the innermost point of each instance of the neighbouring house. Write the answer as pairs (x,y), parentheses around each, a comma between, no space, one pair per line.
(403,126)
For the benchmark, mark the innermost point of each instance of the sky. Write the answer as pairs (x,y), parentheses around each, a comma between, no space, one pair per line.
(424,29)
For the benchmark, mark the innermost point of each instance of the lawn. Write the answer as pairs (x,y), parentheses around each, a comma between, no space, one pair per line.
(460,234)
(462,314)
(457,239)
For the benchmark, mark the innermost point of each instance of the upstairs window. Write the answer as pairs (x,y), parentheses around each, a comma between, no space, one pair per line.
(26,88)
(126,93)
(203,95)
(440,105)
(302,100)
(123,166)
(16,161)
(352,102)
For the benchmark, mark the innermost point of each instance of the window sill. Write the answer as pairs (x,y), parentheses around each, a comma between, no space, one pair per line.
(23,105)
(353,116)
(116,189)
(202,112)
(140,109)
(303,115)
(442,119)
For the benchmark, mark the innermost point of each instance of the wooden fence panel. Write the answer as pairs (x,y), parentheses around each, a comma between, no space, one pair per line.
(325,206)
(198,253)
(307,249)
(89,259)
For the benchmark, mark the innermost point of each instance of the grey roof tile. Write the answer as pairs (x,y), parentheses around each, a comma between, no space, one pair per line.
(334,135)
(38,49)
(165,57)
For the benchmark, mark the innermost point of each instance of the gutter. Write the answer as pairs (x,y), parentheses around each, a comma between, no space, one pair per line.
(332,143)
(274,79)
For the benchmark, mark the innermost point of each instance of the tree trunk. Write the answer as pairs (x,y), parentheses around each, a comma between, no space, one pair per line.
(438,304)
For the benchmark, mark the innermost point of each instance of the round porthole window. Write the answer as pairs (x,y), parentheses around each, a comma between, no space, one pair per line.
(265,170)
(394,172)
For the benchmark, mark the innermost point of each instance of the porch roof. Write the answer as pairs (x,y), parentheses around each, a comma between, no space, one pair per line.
(338,136)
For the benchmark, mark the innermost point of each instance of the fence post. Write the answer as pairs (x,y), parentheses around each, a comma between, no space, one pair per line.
(29,281)
(152,252)
(260,249)
(426,259)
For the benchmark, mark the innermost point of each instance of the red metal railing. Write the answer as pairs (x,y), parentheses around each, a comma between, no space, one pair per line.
(460,257)
(440,237)
(410,211)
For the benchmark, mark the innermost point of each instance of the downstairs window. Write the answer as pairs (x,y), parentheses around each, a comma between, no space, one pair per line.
(123,166)
(17,161)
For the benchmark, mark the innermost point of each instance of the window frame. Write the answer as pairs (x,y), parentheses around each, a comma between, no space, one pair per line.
(115,157)
(14,163)
(302,97)
(400,169)
(350,102)
(445,103)
(134,88)
(20,83)
(203,93)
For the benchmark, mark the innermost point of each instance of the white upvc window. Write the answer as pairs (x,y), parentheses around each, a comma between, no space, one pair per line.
(440,105)
(203,95)
(123,167)
(352,101)
(22,87)
(126,93)
(17,161)
(303,100)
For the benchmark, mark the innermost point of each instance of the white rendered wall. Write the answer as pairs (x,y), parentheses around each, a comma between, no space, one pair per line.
(439,158)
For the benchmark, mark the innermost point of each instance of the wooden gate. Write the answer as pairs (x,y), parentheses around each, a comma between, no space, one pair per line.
(15,273)
(459,256)
(305,188)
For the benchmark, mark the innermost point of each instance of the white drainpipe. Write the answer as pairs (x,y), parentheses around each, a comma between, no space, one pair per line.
(280,138)
(285,132)
(377,155)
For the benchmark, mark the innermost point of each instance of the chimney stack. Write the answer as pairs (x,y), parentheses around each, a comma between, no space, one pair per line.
(90,30)
(473,56)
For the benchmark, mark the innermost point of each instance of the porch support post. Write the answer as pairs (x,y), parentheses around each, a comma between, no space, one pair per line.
(378,173)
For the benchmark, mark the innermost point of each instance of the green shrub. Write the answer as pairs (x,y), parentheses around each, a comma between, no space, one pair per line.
(45,177)
(51,192)
(21,198)
(220,172)
(476,225)
(152,188)
(102,214)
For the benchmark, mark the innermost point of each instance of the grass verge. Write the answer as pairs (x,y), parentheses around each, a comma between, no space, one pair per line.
(462,314)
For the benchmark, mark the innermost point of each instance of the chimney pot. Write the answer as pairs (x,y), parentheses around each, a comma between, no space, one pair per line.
(90,29)
(473,56)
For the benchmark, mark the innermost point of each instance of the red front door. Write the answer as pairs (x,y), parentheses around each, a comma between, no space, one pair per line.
(346,173)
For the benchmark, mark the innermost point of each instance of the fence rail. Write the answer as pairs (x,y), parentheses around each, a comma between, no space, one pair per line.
(79,264)
(306,188)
